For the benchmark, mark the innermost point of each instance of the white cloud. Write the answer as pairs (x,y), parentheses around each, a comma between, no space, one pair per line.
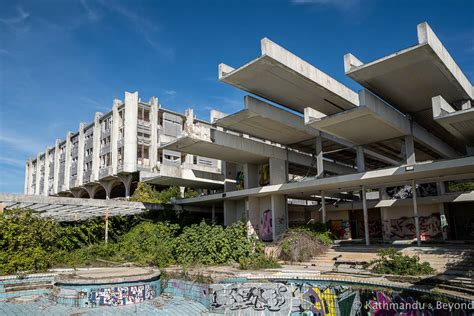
(170,92)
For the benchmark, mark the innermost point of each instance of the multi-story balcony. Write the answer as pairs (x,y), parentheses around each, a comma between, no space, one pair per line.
(143,140)
(105,149)
(88,143)
(62,157)
(72,182)
(74,151)
(105,132)
(87,176)
(146,124)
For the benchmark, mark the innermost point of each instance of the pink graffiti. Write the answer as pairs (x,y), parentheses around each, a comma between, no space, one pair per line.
(267,234)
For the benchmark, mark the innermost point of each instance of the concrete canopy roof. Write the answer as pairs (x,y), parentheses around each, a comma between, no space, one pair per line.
(408,79)
(360,126)
(459,123)
(283,78)
(266,121)
(205,148)
(182,181)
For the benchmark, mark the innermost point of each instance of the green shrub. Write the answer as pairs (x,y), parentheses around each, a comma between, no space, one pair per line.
(258,261)
(393,262)
(302,244)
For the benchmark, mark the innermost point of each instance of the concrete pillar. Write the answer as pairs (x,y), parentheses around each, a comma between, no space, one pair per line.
(360,159)
(415,212)
(213,220)
(56,167)
(366,216)
(80,155)
(27,177)
(130,132)
(323,208)
(46,172)
(67,161)
(278,171)
(127,182)
(442,190)
(230,173)
(279,216)
(250,176)
(38,175)
(386,225)
(154,132)
(108,185)
(114,135)
(91,189)
(253,216)
(229,212)
(319,157)
(410,150)
(182,191)
(96,147)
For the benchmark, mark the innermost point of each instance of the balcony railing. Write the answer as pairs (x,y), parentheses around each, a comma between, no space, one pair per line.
(105,171)
(105,149)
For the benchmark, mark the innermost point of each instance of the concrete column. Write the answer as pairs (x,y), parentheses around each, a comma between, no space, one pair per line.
(67,161)
(279,216)
(56,167)
(230,172)
(213,220)
(360,159)
(182,191)
(253,216)
(80,155)
(38,175)
(323,208)
(229,212)
(46,172)
(410,150)
(108,185)
(130,132)
(319,157)
(96,147)
(127,182)
(91,189)
(27,177)
(114,135)
(250,176)
(366,216)
(154,132)
(415,212)
(386,225)
(442,190)
(278,171)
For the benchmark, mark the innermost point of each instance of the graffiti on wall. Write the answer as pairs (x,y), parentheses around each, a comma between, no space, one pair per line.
(267,232)
(405,191)
(305,298)
(283,298)
(341,229)
(192,290)
(375,228)
(124,295)
(404,227)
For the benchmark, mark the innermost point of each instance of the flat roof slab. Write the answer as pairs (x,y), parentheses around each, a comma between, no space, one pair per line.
(360,126)
(283,78)
(176,181)
(204,148)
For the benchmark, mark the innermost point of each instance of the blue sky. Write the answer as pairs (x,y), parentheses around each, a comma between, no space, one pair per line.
(62,61)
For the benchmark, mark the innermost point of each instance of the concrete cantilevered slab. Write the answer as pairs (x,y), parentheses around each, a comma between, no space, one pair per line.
(459,123)
(408,79)
(266,121)
(284,78)
(371,122)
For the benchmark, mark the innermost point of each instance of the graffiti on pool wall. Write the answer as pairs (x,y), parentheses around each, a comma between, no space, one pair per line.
(284,299)
(124,295)
(404,227)
(267,233)
(258,297)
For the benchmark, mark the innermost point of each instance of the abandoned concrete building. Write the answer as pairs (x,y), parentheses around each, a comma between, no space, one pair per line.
(390,162)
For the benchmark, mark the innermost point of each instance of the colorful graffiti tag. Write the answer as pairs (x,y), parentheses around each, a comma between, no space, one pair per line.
(305,298)
(267,232)
(404,227)
(341,229)
(121,295)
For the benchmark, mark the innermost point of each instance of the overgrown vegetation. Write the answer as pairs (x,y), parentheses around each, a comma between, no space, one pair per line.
(304,242)
(391,261)
(30,243)
(147,194)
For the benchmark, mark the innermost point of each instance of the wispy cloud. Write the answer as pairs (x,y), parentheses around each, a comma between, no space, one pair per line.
(11,161)
(16,23)
(91,12)
(22,143)
(94,103)
(342,5)
(170,92)
(229,104)
(149,30)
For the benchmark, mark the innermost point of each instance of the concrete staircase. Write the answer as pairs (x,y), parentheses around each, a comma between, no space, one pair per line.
(27,287)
